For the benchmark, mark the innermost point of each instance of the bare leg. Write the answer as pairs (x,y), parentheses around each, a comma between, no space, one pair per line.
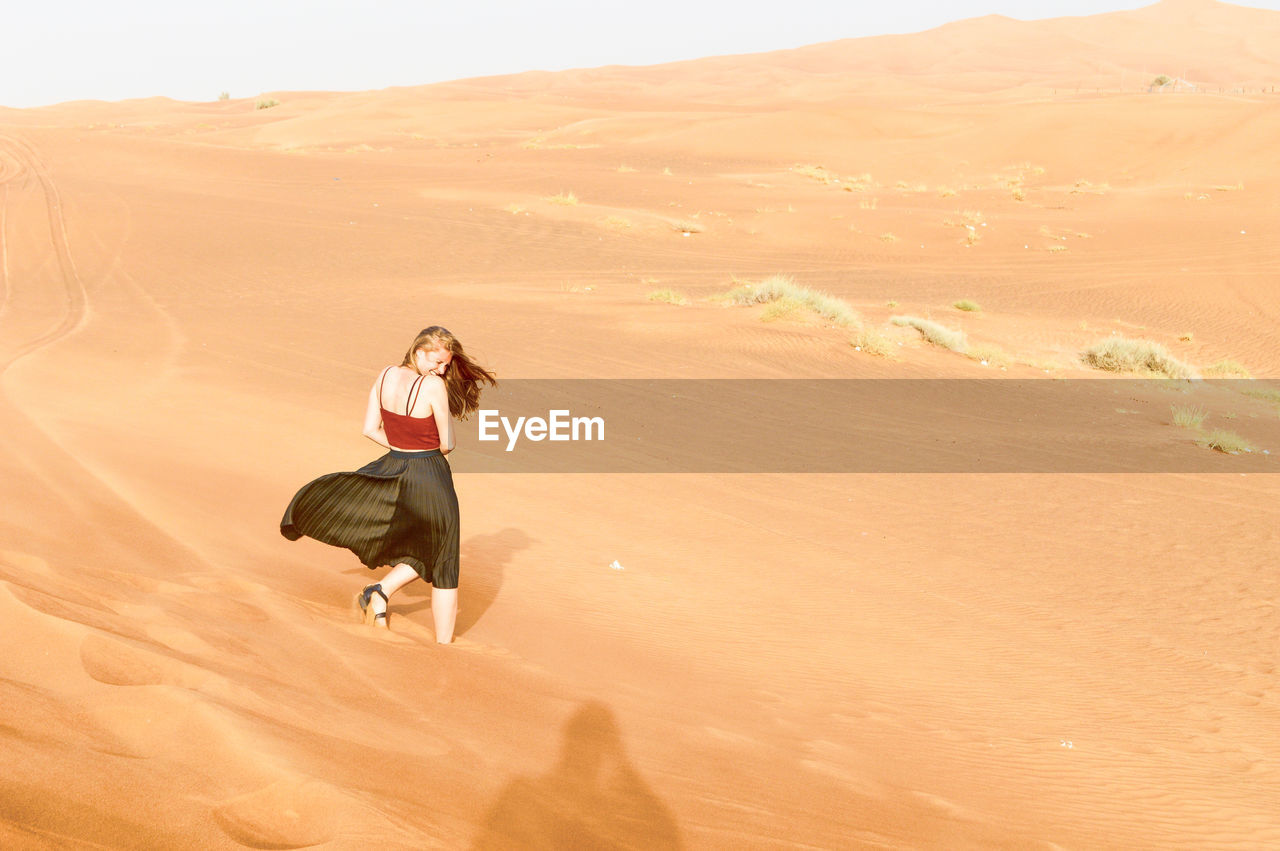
(444,610)
(400,576)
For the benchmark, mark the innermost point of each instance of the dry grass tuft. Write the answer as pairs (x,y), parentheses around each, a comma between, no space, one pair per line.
(1234,187)
(786,307)
(816,172)
(668,296)
(686,226)
(568,199)
(938,335)
(1121,354)
(967,306)
(1187,416)
(1225,441)
(1019,194)
(617,222)
(1226,369)
(872,342)
(265,103)
(888,237)
(988,354)
(780,287)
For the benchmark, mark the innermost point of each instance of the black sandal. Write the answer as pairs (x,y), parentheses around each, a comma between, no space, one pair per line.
(365,597)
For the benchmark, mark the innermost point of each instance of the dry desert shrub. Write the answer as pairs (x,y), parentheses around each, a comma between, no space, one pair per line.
(888,237)
(1188,416)
(1019,194)
(967,305)
(872,342)
(988,354)
(816,172)
(568,199)
(935,333)
(265,103)
(1266,394)
(224,95)
(784,308)
(779,288)
(1226,369)
(1122,354)
(1225,441)
(945,192)
(668,296)
(686,226)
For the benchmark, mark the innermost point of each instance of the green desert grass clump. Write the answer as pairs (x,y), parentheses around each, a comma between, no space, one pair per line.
(1188,416)
(933,332)
(1225,441)
(1226,369)
(967,305)
(872,342)
(265,103)
(667,296)
(780,287)
(1122,354)
(568,199)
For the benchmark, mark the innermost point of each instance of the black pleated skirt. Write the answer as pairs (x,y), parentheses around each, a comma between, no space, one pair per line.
(399,509)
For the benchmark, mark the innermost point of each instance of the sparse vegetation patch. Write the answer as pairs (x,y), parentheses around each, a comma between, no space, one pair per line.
(667,296)
(1122,354)
(935,333)
(779,287)
(1226,441)
(1226,369)
(265,103)
(1188,416)
(872,342)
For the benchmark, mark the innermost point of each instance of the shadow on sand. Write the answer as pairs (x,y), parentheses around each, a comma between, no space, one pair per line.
(484,560)
(592,798)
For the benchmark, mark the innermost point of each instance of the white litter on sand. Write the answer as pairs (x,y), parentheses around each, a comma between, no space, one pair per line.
(614,564)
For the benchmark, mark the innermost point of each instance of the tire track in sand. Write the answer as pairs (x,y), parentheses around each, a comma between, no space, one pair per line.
(22,167)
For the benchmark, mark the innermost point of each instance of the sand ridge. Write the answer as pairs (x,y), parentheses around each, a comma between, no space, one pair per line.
(196,298)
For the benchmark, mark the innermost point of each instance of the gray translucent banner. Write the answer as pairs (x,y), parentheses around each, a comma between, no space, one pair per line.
(1103,425)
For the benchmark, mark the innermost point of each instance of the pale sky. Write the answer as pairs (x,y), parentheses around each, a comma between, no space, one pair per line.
(55,51)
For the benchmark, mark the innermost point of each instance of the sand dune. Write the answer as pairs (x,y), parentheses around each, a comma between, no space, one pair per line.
(196,297)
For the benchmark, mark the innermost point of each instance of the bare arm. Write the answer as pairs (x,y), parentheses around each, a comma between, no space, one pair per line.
(433,388)
(373,416)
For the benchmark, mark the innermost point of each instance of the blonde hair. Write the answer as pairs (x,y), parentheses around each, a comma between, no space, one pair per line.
(463,377)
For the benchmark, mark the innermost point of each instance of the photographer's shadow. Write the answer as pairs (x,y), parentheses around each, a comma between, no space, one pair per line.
(592,798)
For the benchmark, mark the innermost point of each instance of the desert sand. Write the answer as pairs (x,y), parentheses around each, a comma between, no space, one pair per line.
(196,297)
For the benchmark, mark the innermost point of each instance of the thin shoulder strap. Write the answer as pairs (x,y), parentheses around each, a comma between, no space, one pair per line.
(414,391)
(381,381)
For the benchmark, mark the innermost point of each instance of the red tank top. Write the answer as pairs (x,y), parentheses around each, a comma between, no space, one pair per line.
(404,431)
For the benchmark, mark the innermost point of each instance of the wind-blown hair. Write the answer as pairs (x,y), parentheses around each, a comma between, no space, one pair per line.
(462,378)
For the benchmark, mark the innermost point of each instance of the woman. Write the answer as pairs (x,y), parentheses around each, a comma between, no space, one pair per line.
(401,509)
